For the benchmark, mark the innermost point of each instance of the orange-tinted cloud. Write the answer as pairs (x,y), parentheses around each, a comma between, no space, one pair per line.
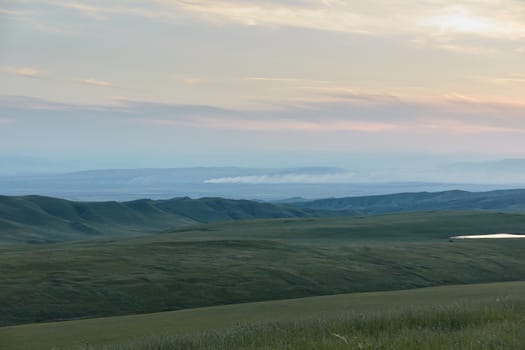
(95,82)
(279,125)
(27,72)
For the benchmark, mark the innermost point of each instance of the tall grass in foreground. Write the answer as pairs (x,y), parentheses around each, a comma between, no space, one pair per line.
(493,325)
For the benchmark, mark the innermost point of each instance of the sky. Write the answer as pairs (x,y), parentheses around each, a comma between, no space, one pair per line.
(132,83)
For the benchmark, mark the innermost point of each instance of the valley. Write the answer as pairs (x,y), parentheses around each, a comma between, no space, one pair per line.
(90,270)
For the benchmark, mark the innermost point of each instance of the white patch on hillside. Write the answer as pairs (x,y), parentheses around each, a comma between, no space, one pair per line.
(494,235)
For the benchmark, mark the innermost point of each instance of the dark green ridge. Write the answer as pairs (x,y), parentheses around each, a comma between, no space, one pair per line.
(37,219)
(501,200)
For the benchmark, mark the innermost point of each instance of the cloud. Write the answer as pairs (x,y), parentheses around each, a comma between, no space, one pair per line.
(23,104)
(460,19)
(460,127)
(359,114)
(445,25)
(345,94)
(95,82)
(277,125)
(4,11)
(34,17)
(27,72)
(80,7)
(272,14)
(507,80)
(353,112)
(455,97)
(88,8)
(378,115)
(105,9)
(193,80)
(288,80)
(454,45)
(488,18)
(395,125)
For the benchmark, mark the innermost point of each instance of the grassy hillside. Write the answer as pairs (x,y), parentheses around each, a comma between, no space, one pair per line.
(252,261)
(503,200)
(486,316)
(36,219)
(402,227)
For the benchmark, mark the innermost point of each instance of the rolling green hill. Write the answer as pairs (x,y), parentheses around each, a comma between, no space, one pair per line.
(247,261)
(502,200)
(37,219)
(488,316)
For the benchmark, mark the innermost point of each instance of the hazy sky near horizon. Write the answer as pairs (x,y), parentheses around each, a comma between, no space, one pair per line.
(215,82)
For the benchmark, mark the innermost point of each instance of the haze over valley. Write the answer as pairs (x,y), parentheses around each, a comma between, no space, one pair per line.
(269,184)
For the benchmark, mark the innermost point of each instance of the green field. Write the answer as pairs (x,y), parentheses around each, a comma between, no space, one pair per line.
(489,316)
(254,261)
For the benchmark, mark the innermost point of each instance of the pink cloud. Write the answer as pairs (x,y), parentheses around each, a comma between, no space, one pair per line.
(278,125)
(25,72)
(95,82)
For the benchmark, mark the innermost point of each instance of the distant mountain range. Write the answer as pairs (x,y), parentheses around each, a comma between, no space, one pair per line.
(129,184)
(502,200)
(268,184)
(499,171)
(505,165)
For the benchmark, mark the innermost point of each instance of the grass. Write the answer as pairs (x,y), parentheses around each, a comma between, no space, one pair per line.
(245,263)
(253,261)
(443,328)
(488,316)
(404,227)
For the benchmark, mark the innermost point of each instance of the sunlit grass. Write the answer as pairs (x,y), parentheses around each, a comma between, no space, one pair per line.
(489,325)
